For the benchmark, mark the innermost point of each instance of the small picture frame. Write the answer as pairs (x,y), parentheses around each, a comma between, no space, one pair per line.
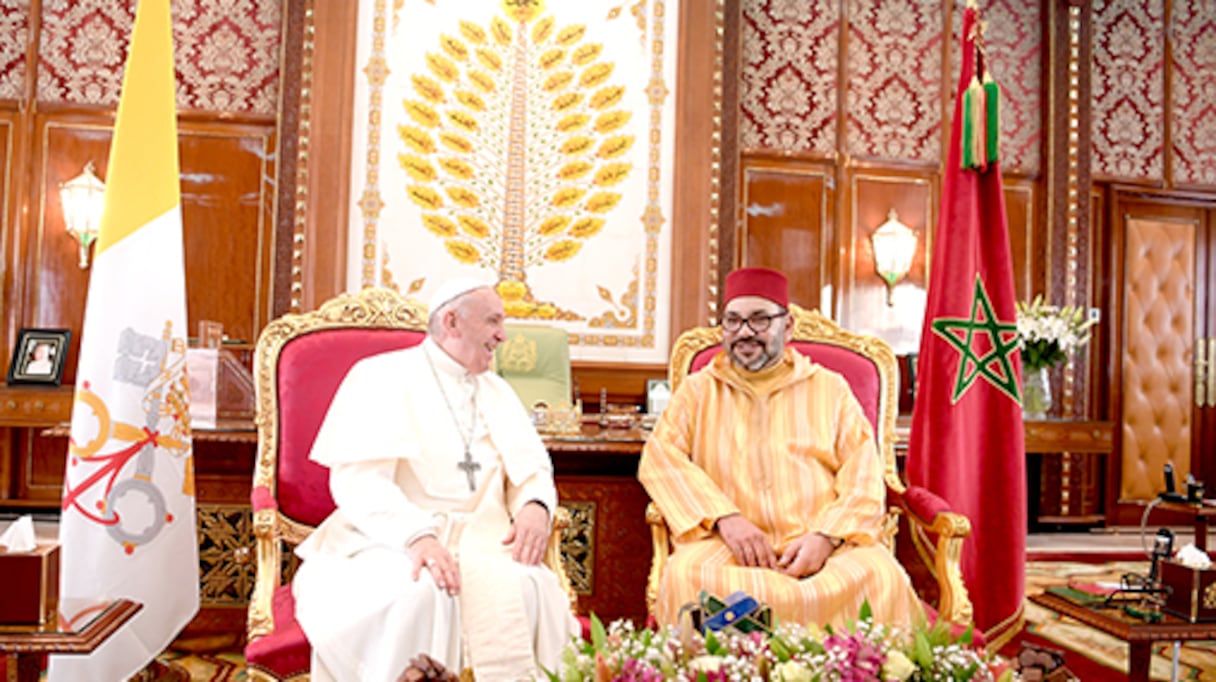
(658,392)
(38,356)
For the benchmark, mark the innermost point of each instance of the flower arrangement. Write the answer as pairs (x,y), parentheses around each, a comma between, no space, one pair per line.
(1048,333)
(863,650)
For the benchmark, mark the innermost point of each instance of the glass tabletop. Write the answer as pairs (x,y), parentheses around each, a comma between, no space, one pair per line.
(73,617)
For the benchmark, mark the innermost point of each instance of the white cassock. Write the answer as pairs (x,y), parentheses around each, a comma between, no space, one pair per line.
(393,446)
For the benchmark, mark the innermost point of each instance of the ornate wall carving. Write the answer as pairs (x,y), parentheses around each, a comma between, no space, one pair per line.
(227,53)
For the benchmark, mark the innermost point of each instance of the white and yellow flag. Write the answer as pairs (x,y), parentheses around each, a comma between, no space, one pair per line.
(128,525)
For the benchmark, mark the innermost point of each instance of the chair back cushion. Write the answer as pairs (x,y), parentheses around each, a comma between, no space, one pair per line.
(535,361)
(310,368)
(859,371)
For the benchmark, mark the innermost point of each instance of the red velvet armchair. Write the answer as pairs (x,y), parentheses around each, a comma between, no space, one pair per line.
(299,362)
(934,533)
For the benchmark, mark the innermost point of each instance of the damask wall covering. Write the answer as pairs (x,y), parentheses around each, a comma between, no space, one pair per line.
(790,77)
(227,52)
(531,148)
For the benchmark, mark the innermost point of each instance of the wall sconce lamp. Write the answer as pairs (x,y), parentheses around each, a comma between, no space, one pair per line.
(894,247)
(83,198)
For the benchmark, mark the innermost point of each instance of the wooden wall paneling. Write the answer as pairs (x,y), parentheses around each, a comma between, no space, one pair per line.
(325,92)
(56,287)
(9,121)
(1204,460)
(873,192)
(1100,371)
(288,134)
(1020,215)
(625,383)
(227,215)
(228,223)
(42,462)
(787,222)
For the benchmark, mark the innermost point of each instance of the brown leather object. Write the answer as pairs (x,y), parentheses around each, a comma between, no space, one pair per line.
(1042,664)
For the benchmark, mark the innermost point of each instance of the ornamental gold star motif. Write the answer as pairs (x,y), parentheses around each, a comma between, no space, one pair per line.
(990,358)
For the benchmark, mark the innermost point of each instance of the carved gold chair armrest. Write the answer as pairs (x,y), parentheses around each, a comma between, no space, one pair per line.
(928,515)
(268,557)
(660,539)
(553,553)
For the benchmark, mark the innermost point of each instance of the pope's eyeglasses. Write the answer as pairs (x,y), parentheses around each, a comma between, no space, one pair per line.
(758,322)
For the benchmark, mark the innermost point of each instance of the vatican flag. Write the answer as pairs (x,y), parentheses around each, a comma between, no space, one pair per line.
(127,526)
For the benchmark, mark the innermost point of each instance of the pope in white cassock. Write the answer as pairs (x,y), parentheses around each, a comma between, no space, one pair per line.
(443,492)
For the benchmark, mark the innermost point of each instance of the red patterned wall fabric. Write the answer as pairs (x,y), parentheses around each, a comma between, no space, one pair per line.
(1194,91)
(1128,81)
(14,30)
(227,52)
(788,63)
(894,88)
(1014,41)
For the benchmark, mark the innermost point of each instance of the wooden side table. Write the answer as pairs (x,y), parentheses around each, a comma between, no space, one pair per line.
(1138,634)
(23,646)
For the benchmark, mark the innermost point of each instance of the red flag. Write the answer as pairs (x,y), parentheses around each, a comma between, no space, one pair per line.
(967,436)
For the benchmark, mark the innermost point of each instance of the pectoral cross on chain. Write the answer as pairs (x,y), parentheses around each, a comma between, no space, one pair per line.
(469,467)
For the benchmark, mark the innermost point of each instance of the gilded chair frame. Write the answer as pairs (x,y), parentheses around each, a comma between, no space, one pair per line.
(950,529)
(274,532)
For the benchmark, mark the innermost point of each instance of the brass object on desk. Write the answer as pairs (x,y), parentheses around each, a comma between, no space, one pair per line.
(559,419)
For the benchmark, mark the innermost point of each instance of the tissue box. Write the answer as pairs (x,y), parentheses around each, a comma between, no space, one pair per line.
(31,586)
(1192,593)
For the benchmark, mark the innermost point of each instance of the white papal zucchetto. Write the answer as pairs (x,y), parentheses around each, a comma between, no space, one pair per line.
(453,289)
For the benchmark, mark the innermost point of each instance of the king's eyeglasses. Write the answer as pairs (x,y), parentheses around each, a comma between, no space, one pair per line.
(758,322)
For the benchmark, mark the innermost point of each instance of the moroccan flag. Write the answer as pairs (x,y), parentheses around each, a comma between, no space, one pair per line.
(127,526)
(966,440)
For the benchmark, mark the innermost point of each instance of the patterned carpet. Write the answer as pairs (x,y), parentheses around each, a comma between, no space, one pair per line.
(1197,659)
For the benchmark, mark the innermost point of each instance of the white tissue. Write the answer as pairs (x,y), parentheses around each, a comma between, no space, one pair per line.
(1193,557)
(20,536)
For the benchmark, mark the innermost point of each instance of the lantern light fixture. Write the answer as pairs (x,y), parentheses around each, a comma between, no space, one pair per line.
(894,248)
(83,199)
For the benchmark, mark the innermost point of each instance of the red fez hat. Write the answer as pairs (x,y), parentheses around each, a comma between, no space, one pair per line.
(762,282)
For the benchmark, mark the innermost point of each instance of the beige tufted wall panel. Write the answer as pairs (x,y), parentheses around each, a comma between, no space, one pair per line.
(1158,337)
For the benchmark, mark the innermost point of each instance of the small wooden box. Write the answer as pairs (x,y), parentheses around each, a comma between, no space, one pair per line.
(31,585)
(1192,594)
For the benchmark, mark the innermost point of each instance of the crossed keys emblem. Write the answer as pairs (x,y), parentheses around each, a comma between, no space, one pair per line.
(157,367)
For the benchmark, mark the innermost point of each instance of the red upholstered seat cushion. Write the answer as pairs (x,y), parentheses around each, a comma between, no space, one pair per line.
(856,369)
(310,368)
(284,652)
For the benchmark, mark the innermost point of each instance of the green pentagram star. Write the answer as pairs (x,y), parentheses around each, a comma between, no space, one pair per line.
(960,333)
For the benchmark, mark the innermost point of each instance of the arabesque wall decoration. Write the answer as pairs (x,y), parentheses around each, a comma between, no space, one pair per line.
(529,144)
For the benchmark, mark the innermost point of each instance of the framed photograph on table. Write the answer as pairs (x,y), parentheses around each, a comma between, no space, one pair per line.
(38,356)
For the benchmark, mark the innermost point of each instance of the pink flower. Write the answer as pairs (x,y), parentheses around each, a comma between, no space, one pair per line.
(853,657)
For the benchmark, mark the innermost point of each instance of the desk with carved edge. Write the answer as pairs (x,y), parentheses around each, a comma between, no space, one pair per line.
(607,546)
(1138,634)
(23,646)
